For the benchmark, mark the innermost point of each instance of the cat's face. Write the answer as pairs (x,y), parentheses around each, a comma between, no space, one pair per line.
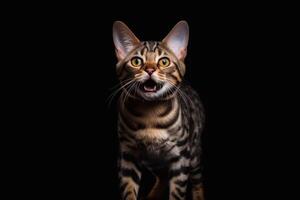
(151,70)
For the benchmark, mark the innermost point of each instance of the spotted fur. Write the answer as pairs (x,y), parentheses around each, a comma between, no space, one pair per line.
(160,118)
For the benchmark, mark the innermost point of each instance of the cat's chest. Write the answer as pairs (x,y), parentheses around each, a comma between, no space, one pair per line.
(153,136)
(155,147)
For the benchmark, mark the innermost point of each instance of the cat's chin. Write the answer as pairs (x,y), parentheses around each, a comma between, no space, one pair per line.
(149,95)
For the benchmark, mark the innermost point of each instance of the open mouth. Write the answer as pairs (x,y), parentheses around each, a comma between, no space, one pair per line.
(150,86)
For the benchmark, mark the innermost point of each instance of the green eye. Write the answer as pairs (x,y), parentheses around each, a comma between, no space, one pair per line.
(164,62)
(136,62)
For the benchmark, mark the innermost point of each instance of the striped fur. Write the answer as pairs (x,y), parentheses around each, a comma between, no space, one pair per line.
(160,121)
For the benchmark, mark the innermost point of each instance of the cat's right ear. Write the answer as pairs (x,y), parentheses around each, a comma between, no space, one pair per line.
(124,40)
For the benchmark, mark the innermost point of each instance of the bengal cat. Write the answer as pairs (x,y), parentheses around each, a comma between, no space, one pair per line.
(160,117)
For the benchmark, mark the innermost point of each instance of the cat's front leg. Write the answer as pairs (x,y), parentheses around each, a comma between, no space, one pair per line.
(130,176)
(178,181)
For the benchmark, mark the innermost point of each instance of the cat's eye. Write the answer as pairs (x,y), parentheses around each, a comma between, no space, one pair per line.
(164,62)
(136,62)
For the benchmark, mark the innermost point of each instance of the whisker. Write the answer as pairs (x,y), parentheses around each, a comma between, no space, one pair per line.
(186,99)
(111,97)
(118,84)
(127,94)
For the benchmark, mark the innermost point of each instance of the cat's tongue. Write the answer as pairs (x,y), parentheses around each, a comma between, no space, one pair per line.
(150,88)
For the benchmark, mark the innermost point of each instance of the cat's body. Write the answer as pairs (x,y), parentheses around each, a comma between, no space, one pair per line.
(160,119)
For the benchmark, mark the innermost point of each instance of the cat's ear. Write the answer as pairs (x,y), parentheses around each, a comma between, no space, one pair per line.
(124,39)
(177,39)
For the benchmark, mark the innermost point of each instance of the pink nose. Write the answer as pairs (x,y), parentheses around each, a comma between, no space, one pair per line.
(149,70)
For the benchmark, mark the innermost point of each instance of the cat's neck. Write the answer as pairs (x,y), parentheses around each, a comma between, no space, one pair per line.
(143,107)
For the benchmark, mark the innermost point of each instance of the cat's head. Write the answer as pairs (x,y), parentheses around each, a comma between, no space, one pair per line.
(150,70)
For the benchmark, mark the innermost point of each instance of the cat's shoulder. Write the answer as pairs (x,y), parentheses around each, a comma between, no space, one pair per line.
(189,90)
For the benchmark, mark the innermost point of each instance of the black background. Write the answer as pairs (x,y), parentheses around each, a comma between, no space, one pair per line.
(70,71)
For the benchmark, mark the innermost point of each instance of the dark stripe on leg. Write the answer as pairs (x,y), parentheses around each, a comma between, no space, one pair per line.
(181,183)
(129,157)
(128,193)
(197,170)
(131,173)
(175,196)
(123,186)
(182,194)
(177,172)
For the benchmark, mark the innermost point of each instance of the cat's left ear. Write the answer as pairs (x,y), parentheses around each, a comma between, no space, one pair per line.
(177,39)
(124,40)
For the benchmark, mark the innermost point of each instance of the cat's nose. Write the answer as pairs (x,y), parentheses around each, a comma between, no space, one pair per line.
(149,71)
